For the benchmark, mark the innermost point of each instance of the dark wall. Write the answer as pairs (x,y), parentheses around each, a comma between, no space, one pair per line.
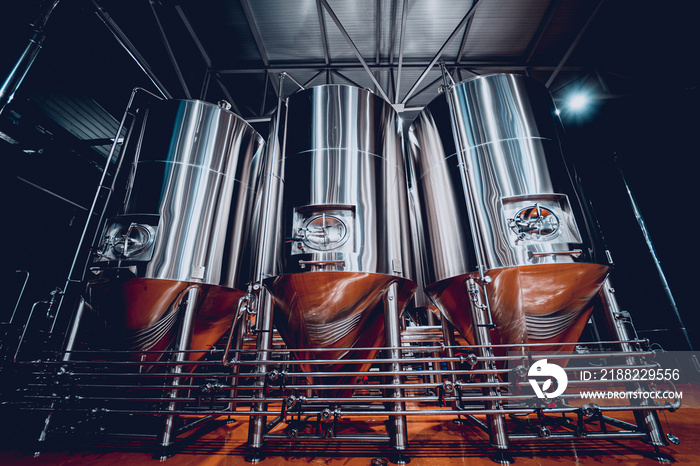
(653,137)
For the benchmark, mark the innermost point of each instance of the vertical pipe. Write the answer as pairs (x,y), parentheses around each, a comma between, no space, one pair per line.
(436,378)
(256,428)
(270,181)
(654,256)
(26,326)
(392,329)
(89,222)
(235,370)
(182,344)
(71,338)
(448,337)
(462,147)
(237,332)
(73,330)
(648,419)
(21,293)
(26,60)
(498,434)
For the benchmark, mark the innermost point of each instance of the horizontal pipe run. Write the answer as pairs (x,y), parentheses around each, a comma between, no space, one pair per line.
(359,438)
(308,401)
(409,386)
(353,373)
(370,360)
(589,435)
(408,349)
(446,412)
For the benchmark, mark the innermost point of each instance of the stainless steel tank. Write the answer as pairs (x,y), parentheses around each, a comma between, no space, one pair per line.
(337,233)
(183,222)
(495,193)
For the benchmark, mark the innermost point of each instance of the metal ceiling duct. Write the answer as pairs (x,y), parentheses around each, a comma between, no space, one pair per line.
(181,225)
(500,205)
(337,259)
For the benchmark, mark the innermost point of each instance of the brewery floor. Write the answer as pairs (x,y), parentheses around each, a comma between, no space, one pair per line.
(433,441)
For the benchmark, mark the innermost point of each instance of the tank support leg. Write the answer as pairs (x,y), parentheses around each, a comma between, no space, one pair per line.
(71,338)
(481,326)
(392,328)
(448,337)
(256,428)
(436,378)
(235,370)
(648,420)
(182,345)
(238,330)
(72,335)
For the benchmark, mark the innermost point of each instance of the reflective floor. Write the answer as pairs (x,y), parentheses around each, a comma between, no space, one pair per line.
(433,441)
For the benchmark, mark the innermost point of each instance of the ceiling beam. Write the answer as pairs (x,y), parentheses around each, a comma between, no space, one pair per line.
(229,98)
(257,37)
(342,76)
(378,23)
(193,35)
(254,29)
(324,35)
(392,31)
(354,47)
(130,49)
(205,84)
(487,66)
(397,83)
(313,78)
(200,47)
(437,56)
(169,50)
(432,83)
(601,81)
(541,29)
(573,45)
(463,44)
(264,99)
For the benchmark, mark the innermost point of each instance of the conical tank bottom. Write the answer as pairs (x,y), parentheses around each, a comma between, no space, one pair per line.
(544,303)
(332,312)
(142,314)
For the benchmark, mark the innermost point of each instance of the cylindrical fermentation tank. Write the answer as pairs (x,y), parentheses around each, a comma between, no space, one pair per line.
(496,193)
(336,237)
(181,221)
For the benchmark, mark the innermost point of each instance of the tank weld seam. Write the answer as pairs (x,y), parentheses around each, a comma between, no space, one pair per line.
(399,167)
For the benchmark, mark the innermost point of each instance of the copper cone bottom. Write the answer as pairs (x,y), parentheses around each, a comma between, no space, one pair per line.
(544,303)
(334,311)
(142,314)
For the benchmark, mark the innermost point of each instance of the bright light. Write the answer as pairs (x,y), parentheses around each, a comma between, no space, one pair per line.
(578,102)
(557,111)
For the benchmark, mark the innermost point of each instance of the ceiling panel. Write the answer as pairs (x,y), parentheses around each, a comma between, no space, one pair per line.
(290,30)
(503,29)
(429,24)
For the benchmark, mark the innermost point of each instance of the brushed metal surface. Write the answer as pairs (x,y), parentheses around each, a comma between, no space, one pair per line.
(490,146)
(194,170)
(339,155)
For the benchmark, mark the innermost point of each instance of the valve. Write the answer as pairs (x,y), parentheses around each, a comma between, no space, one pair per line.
(327,420)
(590,410)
